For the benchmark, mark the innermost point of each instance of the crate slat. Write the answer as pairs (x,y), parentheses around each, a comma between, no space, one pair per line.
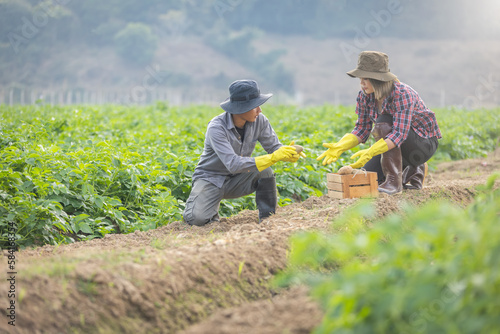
(351,179)
(335,186)
(336,194)
(355,192)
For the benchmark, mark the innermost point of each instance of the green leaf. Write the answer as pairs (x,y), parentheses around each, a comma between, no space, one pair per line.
(80,217)
(85,228)
(116,162)
(114,202)
(99,202)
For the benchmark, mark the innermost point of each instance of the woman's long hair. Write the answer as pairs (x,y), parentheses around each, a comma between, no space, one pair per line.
(382,89)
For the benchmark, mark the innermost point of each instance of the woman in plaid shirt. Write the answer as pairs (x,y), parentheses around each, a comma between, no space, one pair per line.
(406,130)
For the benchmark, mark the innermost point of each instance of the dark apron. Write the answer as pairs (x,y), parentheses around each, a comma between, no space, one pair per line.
(415,150)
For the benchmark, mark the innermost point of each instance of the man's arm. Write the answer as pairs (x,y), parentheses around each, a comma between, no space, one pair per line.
(267,137)
(220,144)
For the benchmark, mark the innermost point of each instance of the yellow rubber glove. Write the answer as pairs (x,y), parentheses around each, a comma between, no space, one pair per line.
(336,149)
(296,156)
(284,152)
(366,155)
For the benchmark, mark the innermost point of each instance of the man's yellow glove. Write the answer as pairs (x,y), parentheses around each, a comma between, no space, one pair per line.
(336,149)
(366,155)
(284,152)
(295,157)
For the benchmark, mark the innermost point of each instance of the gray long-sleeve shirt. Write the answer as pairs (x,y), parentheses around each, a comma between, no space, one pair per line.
(225,154)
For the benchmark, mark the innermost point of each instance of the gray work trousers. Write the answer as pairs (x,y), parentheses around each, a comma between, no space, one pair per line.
(203,203)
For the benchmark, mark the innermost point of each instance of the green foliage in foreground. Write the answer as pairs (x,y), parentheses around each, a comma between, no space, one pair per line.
(76,173)
(435,269)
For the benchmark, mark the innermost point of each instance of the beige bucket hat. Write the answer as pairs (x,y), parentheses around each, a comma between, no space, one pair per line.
(373,65)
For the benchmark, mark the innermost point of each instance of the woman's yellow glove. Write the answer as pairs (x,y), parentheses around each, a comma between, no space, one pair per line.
(366,155)
(336,149)
(281,154)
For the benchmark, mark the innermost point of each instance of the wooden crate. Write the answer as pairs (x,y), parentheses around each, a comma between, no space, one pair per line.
(352,185)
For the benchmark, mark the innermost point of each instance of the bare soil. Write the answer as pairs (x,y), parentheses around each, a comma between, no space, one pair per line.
(211,279)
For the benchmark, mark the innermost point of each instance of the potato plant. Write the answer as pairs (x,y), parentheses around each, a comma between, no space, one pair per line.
(81,172)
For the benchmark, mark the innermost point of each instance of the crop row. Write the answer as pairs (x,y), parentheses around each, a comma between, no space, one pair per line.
(76,173)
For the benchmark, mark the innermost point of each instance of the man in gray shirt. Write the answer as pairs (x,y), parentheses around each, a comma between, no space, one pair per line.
(226,168)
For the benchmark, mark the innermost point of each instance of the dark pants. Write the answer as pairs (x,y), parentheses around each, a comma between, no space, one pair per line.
(415,150)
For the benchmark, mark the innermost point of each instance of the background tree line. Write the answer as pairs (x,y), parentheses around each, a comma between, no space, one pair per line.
(31,29)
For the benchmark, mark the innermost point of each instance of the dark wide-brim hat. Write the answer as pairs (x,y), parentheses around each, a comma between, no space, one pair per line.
(373,65)
(244,95)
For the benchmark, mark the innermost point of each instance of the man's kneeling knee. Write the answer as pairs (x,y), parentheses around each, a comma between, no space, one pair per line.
(196,221)
(200,221)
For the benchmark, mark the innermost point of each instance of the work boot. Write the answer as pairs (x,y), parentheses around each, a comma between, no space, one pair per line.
(390,161)
(266,197)
(392,165)
(415,176)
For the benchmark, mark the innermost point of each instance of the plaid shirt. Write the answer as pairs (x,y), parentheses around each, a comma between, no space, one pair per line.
(408,112)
